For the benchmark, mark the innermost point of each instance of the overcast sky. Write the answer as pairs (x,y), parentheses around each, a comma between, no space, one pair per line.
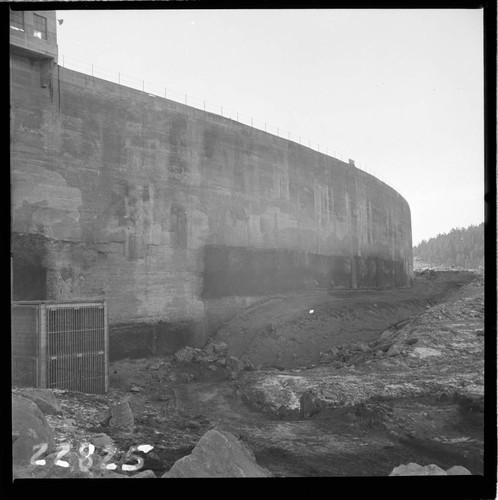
(398,91)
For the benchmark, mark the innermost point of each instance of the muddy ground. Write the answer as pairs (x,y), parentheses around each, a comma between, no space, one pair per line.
(393,376)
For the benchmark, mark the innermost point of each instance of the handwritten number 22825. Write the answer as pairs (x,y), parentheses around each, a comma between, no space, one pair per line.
(85,461)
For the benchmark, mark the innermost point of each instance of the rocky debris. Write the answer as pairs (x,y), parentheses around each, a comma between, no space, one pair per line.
(384,347)
(364,347)
(234,367)
(72,470)
(45,399)
(31,428)
(136,404)
(411,341)
(121,416)
(218,454)
(102,441)
(454,366)
(165,394)
(274,395)
(394,350)
(185,378)
(310,404)
(212,357)
(458,470)
(208,358)
(248,363)
(198,354)
(184,355)
(413,469)
(279,394)
(49,469)
(191,424)
(386,334)
(136,388)
(217,348)
(109,474)
(334,351)
(425,352)
(146,474)
(428,273)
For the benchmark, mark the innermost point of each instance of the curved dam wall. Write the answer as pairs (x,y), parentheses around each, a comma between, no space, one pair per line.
(178,217)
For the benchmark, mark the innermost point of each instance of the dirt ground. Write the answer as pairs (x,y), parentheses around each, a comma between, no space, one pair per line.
(397,377)
(295,329)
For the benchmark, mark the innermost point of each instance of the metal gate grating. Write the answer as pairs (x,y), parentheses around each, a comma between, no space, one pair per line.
(71,342)
(25,368)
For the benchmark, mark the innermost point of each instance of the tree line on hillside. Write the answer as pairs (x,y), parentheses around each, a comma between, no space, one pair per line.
(461,247)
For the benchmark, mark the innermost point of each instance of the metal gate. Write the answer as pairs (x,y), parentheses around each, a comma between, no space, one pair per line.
(25,345)
(62,345)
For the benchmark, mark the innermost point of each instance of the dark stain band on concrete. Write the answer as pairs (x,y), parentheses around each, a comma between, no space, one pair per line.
(251,271)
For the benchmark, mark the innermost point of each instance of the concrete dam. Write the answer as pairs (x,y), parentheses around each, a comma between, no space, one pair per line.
(178,217)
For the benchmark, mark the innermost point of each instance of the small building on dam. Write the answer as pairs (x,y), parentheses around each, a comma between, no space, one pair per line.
(175,216)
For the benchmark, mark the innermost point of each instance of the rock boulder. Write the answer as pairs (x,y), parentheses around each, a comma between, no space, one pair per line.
(122,416)
(458,470)
(184,355)
(234,367)
(30,428)
(218,348)
(218,454)
(310,404)
(394,350)
(136,404)
(45,399)
(413,469)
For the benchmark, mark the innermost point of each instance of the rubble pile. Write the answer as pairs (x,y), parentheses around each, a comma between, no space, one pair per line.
(204,412)
(214,357)
(440,351)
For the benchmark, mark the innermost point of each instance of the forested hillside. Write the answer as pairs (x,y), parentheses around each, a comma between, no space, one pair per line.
(460,247)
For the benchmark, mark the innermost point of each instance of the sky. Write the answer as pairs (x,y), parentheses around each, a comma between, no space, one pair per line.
(398,91)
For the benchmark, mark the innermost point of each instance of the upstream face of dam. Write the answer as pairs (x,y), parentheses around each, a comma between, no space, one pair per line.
(176,216)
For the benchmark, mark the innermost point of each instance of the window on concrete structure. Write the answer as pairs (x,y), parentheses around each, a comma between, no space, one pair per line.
(40,26)
(17,20)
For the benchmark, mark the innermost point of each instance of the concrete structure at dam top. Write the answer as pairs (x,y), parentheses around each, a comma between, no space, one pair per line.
(176,216)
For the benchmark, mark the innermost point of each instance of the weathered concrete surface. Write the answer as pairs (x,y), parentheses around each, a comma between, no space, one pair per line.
(177,216)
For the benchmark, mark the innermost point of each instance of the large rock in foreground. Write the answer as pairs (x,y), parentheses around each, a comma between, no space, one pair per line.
(458,470)
(45,400)
(218,454)
(413,469)
(29,428)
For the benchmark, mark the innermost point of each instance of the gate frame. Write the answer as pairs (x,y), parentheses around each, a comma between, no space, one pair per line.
(41,332)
